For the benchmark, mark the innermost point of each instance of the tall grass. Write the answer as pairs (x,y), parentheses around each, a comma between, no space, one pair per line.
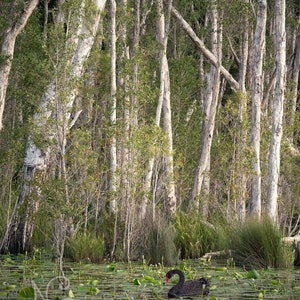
(160,245)
(258,244)
(194,237)
(85,247)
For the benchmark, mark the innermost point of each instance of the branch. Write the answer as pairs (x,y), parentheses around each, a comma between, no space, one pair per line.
(206,52)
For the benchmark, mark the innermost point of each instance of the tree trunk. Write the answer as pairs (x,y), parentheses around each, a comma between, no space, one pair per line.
(277,113)
(37,158)
(8,47)
(210,108)
(256,97)
(113,109)
(163,31)
(241,183)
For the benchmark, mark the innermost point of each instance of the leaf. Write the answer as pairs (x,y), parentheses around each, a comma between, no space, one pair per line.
(11,287)
(253,274)
(94,291)
(136,282)
(27,292)
(71,294)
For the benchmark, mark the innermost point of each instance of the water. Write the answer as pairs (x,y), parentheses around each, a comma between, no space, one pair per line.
(137,281)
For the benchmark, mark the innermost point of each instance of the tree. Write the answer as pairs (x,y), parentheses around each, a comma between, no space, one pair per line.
(211,97)
(256,98)
(163,31)
(113,115)
(277,112)
(19,18)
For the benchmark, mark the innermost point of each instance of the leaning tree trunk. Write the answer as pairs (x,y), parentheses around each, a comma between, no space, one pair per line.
(8,47)
(213,59)
(277,113)
(256,97)
(20,228)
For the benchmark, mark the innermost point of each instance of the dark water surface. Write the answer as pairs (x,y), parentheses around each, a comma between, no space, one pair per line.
(138,281)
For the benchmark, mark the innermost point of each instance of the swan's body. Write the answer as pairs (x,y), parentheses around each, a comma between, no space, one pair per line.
(187,288)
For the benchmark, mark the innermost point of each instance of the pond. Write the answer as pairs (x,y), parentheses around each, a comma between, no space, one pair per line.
(34,278)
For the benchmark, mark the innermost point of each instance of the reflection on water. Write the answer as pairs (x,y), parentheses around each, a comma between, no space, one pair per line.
(132,281)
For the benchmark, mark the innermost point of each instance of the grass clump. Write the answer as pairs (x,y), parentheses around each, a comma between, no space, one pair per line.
(85,247)
(259,244)
(194,237)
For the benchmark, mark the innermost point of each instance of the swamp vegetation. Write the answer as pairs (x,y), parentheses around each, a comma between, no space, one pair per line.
(29,277)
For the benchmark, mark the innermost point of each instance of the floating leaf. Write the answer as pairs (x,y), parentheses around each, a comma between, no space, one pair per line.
(275,282)
(221,269)
(94,282)
(11,286)
(94,291)
(136,282)
(253,274)
(71,294)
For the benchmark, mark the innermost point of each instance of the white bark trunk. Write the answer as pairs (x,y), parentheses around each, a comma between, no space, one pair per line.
(277,114)
(163,31)
(113,114)
(256,97)
(210,107)
(7,51)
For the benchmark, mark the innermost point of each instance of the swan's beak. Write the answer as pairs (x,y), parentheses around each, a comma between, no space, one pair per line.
(167,280)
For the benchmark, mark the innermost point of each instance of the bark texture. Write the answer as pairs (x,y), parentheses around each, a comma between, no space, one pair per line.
(256,98)
(277,113)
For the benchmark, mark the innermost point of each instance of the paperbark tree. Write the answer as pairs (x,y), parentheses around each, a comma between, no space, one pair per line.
(277,112)
(37,158)
(256,98)
(19,18)
(113,105)
(165,99)
(209,108)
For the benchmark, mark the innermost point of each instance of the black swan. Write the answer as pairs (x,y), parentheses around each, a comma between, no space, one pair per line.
(187,288)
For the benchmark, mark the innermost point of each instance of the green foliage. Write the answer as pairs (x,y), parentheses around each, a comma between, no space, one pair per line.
(194,237)
(85,247)
(258,244)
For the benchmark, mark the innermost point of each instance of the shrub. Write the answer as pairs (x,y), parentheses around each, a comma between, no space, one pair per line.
(85,247)
(258,244)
